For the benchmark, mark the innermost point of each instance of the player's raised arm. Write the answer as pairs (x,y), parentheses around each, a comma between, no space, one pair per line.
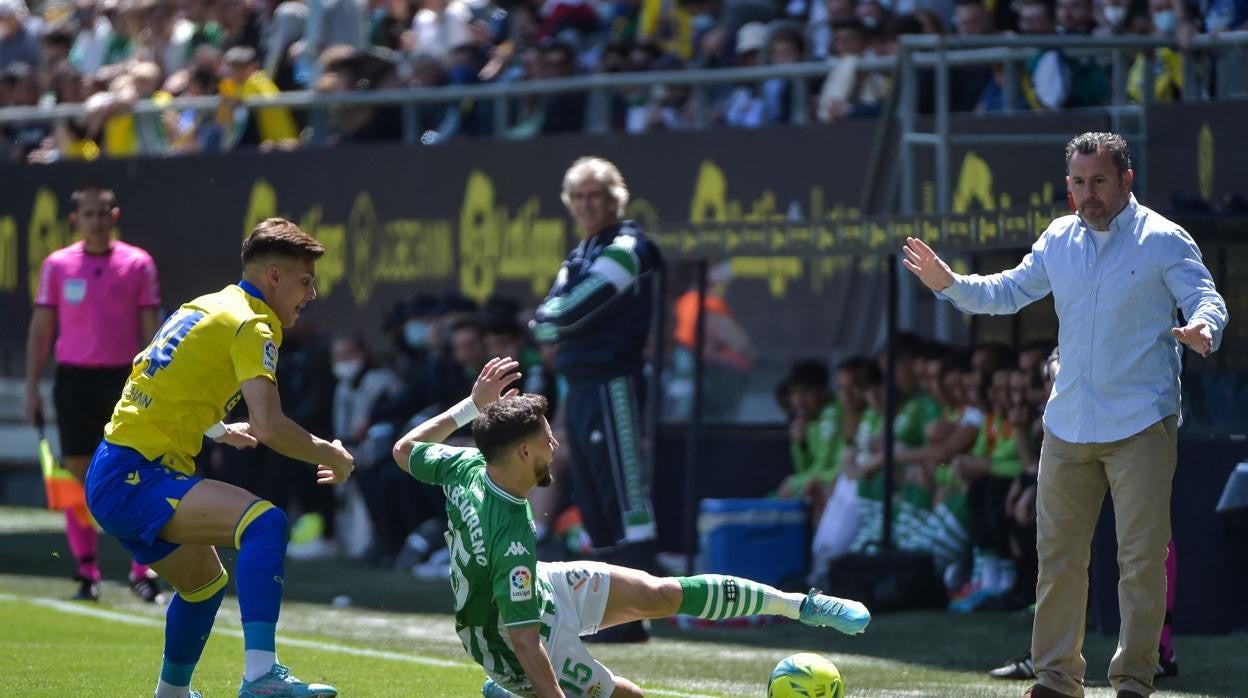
(277,431)
(492,383)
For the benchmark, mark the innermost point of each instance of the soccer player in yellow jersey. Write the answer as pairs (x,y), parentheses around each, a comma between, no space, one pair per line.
(142,487)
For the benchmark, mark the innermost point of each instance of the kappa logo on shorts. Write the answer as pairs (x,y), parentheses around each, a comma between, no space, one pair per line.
(270,355)
(521,583)
(517,548)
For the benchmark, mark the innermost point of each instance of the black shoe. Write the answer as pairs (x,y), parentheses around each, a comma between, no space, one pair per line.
(1017,668)
(637,631)
(1167,667)
(87,590)
(147,588)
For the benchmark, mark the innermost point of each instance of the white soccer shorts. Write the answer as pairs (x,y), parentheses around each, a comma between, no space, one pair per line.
(581,590)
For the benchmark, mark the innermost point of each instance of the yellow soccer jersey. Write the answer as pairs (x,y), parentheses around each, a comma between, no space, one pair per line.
(189,376)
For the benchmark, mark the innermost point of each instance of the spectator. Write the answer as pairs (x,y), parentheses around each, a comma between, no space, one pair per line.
(196,130)
(468,347)
(240,24)
(54,47)
(204,29)
(863,461)
(968,83)
(360,383)
(1166,81)
(165,38)
(563,112)
(93,36)
(122,132)
(744,107)
(439,26)
(873,14)
(987,476)
(1046,81)
(824,16)
(785,46)
(815,441)
(300,30)
(669,25)
(268,127)
(19,35)
(505,336)
(18,140)
(841,88)
(837,495)
(1075,17)
(1225,15)
(1053,79)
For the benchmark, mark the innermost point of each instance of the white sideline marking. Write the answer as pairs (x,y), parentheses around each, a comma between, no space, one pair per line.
(78,609)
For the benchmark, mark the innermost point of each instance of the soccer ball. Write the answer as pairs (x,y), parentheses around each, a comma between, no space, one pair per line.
(807,675)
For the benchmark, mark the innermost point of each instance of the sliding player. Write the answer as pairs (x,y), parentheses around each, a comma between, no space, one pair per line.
(506,601)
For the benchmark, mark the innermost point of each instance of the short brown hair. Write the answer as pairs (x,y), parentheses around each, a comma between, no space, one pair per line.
(1093,142)
(103,192)
(278,237)
(507,421)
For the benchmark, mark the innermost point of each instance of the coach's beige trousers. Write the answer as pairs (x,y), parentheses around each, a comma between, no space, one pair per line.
(1138,472)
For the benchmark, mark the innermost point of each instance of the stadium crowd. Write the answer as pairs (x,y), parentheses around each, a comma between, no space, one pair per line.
(109,54)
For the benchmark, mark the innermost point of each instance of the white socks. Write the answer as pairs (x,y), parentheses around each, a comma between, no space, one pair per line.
(165,690)
(258,664)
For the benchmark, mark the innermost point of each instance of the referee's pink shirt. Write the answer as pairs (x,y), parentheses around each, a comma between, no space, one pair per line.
(97,298)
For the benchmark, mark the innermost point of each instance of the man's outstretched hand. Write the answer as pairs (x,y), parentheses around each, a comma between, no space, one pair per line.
(923,263)
(1196,336)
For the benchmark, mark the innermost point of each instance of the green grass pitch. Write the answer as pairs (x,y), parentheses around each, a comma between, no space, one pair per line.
(396,639)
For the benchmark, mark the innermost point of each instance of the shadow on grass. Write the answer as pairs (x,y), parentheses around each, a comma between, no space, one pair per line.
(974,643)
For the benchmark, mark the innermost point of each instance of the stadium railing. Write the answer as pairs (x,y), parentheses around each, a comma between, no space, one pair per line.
(915,53)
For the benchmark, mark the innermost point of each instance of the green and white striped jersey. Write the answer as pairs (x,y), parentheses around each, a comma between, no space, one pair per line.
(492,541)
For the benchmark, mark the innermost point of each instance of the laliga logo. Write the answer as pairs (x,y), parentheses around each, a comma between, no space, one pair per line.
(521,584)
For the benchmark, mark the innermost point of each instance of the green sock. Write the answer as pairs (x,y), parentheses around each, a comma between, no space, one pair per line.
(715,597)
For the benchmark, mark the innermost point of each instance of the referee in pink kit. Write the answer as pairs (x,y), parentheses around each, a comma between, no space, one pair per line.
(100,299)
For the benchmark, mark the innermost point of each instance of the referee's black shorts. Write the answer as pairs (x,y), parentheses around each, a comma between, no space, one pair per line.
(84,399)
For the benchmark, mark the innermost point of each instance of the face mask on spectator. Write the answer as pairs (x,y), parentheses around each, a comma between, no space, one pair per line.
(1115,15)
(415,333)
(348,369)
(1165,21)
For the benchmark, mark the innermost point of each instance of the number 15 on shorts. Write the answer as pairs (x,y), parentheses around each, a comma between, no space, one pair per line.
(575,676)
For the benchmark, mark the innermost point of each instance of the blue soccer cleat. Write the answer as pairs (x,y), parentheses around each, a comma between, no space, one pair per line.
(278,683)
(490,689)
(849,617)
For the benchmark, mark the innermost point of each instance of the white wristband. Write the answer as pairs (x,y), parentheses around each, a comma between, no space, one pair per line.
(215,431)
(464,412)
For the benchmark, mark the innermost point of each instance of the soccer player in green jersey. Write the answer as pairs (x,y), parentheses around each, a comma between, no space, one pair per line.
(521,619)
